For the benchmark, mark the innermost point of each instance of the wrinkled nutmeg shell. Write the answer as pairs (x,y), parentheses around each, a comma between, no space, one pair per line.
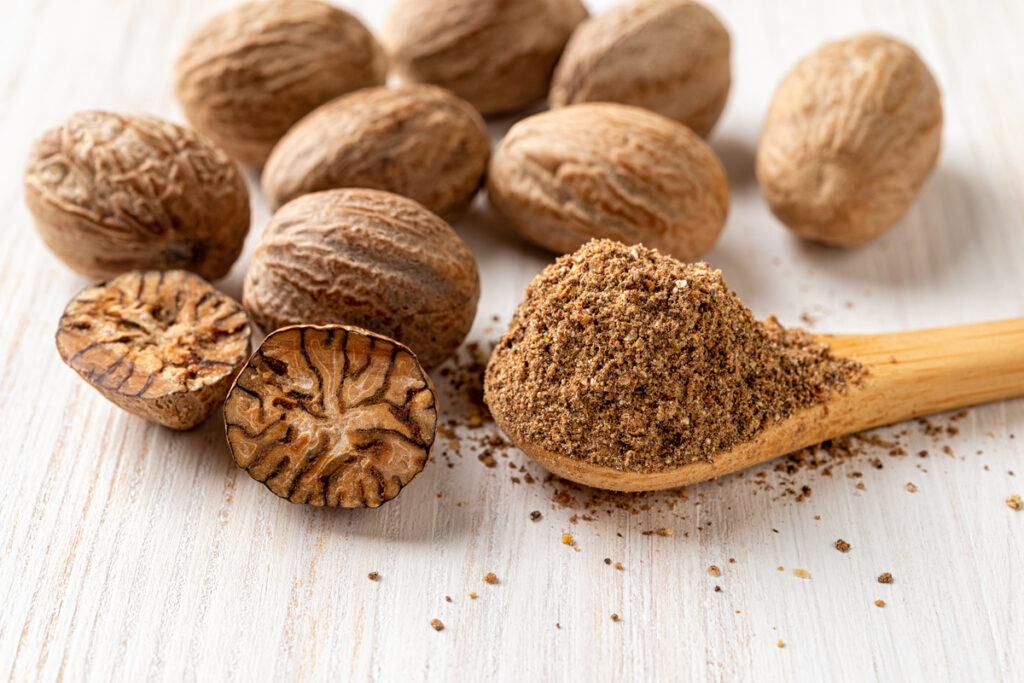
(564,177)
(112,193)
(162,345)
(852,134)
(496,54)
(669,56)
(332,415)
(418,141)
(251,72)
(367,258)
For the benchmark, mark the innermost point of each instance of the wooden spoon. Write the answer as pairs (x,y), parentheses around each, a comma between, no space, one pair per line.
(910,374)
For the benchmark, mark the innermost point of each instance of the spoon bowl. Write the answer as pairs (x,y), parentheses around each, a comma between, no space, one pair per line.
(910,374)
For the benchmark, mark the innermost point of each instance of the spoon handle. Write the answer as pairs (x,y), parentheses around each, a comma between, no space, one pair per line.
(928,371)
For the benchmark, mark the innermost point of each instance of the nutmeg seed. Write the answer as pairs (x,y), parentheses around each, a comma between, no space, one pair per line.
(249,73)
(332,415)
(669,56)
(418,141)
(367,258)
(852,134)
(611,171)
(163,345)
(116,192)
(496,54)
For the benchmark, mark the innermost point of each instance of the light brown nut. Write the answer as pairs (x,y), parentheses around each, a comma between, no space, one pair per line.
(366,258)
(496,54)
(851,136)
(418,141)
(332,415)
(669,56)
(116,192)
(162,345)
(251,72)
(589,171)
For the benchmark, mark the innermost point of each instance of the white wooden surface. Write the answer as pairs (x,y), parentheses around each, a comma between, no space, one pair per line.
(128,552)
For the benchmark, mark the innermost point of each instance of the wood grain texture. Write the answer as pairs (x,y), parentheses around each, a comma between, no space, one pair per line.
(128,552)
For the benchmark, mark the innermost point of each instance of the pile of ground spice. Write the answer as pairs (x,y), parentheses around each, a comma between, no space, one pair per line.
(623,357)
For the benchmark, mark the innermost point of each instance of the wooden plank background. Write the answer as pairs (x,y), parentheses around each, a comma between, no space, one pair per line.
(128,552)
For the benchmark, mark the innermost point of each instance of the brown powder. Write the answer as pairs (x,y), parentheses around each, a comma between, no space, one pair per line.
(622,357)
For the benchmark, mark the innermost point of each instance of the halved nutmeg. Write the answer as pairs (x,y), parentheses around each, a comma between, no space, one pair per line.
(332,415)
(163,345)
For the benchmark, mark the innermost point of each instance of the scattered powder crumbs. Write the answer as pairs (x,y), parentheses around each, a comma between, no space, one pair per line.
(879,603)
(567,539)
(535,516)
(373,576)
(436,623)
(885,577)
(780,643)
(665,531)
(801,573)
(718,589)
(1014,502)
(615,617)
(713,570)
(618,565)
(608,560)
(472,595)
(447,598)
(623,357)
(842,546)
(490,578)
(911,487)
(780,567)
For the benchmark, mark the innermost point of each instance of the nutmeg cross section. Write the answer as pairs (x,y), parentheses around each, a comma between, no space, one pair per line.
(332,415)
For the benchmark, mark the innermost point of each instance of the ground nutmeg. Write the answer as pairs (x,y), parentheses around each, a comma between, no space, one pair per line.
(624,357)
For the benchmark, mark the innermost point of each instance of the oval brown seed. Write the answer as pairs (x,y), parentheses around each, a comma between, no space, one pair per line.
(852,134)
(669,56)
(418,141)
(332,415)
(496,54)
(367,258)
(249,73)
(116,192)
(161,345)
(611,171)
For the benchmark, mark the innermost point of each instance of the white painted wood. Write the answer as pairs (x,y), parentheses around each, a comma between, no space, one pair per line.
(128,552)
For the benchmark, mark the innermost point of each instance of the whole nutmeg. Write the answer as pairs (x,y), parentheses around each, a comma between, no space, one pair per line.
(496,54)
(116,192)
(251,72)
(852,134)
(669,56)
(418,141)
(366,258)
(587,171)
